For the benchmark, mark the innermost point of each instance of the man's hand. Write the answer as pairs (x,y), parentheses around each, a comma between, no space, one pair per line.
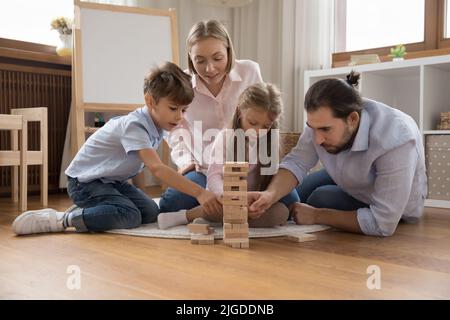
(258,203)
(186,169)
(304,214)
(210,203)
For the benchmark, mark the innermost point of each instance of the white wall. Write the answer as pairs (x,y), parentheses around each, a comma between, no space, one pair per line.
(189,12)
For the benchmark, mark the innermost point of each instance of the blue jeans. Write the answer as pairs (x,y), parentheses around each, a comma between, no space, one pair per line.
(107,206)
(319,190)
(291,198)
(174,200)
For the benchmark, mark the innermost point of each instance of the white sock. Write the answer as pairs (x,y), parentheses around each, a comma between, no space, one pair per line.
(172,219)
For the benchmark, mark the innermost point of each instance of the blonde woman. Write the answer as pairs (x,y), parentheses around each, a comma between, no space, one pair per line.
(218,79)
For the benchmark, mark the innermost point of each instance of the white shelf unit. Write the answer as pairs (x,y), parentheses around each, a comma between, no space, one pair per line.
(418,87)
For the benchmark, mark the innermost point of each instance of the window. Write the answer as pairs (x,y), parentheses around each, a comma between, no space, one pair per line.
(373,27)
(29,20)
(447,20)
(381,23)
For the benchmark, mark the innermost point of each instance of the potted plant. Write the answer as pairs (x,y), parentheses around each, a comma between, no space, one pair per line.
(64,26)
(398,52)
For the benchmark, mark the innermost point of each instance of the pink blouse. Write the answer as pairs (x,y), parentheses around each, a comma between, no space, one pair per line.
(211,113)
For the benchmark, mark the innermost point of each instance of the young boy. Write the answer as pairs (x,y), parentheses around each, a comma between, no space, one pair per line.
(117,152)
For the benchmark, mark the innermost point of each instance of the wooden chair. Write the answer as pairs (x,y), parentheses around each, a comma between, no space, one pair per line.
(15,157)
(39,157)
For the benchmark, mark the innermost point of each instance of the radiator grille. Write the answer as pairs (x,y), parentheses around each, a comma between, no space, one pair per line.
(19,89)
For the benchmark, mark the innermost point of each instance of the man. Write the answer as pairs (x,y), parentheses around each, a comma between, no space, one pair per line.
(373,159)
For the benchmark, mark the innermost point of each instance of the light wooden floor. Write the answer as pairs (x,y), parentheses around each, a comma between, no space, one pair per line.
(415,263)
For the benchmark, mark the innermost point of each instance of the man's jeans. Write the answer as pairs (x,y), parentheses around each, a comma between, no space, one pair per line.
(320,191)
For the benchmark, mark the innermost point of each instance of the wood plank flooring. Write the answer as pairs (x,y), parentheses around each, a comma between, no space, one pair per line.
(414,264)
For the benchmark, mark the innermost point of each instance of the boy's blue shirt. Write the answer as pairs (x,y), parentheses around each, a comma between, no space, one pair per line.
(110,154)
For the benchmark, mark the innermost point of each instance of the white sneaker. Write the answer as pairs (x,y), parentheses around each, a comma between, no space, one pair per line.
(39,221)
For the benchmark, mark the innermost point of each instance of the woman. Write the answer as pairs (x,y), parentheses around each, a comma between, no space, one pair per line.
(218,80)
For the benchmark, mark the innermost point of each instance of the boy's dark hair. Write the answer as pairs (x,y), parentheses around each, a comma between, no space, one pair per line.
(340,95)
(169,81)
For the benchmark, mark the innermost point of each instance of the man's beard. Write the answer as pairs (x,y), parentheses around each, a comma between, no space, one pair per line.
(348,139)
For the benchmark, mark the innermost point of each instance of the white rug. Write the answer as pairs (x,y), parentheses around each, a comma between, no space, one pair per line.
(182,232)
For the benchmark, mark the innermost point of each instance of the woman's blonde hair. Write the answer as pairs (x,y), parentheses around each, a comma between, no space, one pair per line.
(210,29)
(265,97)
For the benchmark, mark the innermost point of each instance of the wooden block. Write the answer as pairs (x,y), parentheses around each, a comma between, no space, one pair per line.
(234,202)
(238,243)
(240,226)
(240,210)
(234,174)
(202,239)
(228,169)
(235,194)
(197,228)
(245,245)
(233,179)
(235,214)
(301,237)
(239,183)
(236,186)
(236,164)
(235,231)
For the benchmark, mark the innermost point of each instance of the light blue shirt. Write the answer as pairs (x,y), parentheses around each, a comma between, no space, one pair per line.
(110,154)
(385,167)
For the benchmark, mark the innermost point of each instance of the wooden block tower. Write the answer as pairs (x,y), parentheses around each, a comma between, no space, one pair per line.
(235,214)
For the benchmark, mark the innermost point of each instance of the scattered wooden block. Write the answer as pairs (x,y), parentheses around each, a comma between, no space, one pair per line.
(200,228)
(301,237)
(202,239)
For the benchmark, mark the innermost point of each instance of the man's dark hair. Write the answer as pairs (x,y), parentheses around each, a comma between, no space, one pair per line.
(341,96)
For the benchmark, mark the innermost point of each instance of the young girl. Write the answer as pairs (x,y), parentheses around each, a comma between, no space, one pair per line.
(117,152)
(258,109)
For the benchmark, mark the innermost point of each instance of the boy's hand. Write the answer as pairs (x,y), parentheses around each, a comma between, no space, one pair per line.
(210,203)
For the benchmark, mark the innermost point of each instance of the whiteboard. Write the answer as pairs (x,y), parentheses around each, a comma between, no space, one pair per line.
(117,51)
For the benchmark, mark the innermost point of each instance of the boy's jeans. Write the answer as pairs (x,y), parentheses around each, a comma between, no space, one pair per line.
(107,206)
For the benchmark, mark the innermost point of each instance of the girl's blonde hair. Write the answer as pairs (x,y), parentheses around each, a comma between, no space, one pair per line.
(265,97)
(210,29)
